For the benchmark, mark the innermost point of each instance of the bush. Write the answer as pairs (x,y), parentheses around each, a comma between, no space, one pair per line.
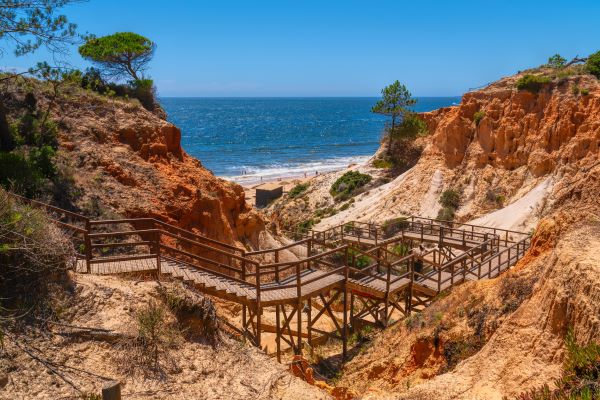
(305,226)
(494,197)
(34,256)
(446,214)
(450,198)
(361,260)
(384,163)
(412,126)
(532,83)
(593,64)
(585,92)
(145,92)
(346,185)
(298,190)
(196,314)
(478,116)
(580,377)
(556,61)
(394,225)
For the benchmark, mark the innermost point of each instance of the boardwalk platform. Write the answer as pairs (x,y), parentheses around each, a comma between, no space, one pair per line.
(367,270)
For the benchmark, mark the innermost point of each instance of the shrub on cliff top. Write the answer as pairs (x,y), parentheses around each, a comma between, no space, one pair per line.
(347,184)
(411,127)
(556,61)
(593,64)
(532,83)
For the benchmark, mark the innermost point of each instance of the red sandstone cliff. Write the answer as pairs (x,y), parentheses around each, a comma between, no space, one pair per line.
(125,160)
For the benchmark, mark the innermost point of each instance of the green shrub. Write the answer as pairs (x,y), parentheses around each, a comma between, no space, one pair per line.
(401,249)
(383,163)
(18,174)
(34,256)
(494,197)
(145,92)
(575,90)
(532,83)
(593,64)
(580,377)
(412,126)
(346,185)
(556,61)
(325,212)
(361,260)
(450,198)
(298,190)
(394,225)
(585,91)
(305,226)
(446,214)
(478,116)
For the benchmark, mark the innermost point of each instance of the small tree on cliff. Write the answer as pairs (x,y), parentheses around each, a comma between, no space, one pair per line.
(557,61)
(395,100)
(121,55)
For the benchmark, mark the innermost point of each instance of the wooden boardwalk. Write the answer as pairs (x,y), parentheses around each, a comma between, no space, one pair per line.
(372,272)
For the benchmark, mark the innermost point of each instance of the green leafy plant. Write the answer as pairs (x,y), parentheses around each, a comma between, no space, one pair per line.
(412,126)
(580,376)
(593,64)
(585,91)
(478,116)
(346,185)
(450,198)
(298,190)
(305,226)
(532,83)
(556,61)
(383,163)
(394,225)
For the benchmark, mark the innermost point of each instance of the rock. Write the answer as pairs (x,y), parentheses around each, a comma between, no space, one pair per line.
(3,380)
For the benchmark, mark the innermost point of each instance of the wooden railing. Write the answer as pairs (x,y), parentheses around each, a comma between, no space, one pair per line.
(490,251)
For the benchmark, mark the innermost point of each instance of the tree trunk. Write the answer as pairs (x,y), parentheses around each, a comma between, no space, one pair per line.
(7,142)
(390,133)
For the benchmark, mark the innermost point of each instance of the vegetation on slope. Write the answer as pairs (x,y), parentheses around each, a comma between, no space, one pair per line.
(35,257)
(348,184)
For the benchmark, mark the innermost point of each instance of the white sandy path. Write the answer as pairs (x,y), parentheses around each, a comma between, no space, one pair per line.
(523,214)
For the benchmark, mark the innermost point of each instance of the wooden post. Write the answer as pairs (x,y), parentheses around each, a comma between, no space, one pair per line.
(88,246)
(244,323)
(352,309)
(278,332)
(299,308)
(258,308)
(309,326)
(111,391)
(345,327)
(157,247)
(277,267)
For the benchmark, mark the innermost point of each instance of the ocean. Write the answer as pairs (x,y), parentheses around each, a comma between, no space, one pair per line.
(246,139)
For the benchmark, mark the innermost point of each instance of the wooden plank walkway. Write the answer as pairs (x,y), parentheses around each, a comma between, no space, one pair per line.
(230,273)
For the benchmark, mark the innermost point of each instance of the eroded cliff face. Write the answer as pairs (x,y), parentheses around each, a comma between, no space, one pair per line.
(509,167)
(125,160)
(502,337)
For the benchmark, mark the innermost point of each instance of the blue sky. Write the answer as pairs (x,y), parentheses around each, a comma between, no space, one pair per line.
(338,48)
